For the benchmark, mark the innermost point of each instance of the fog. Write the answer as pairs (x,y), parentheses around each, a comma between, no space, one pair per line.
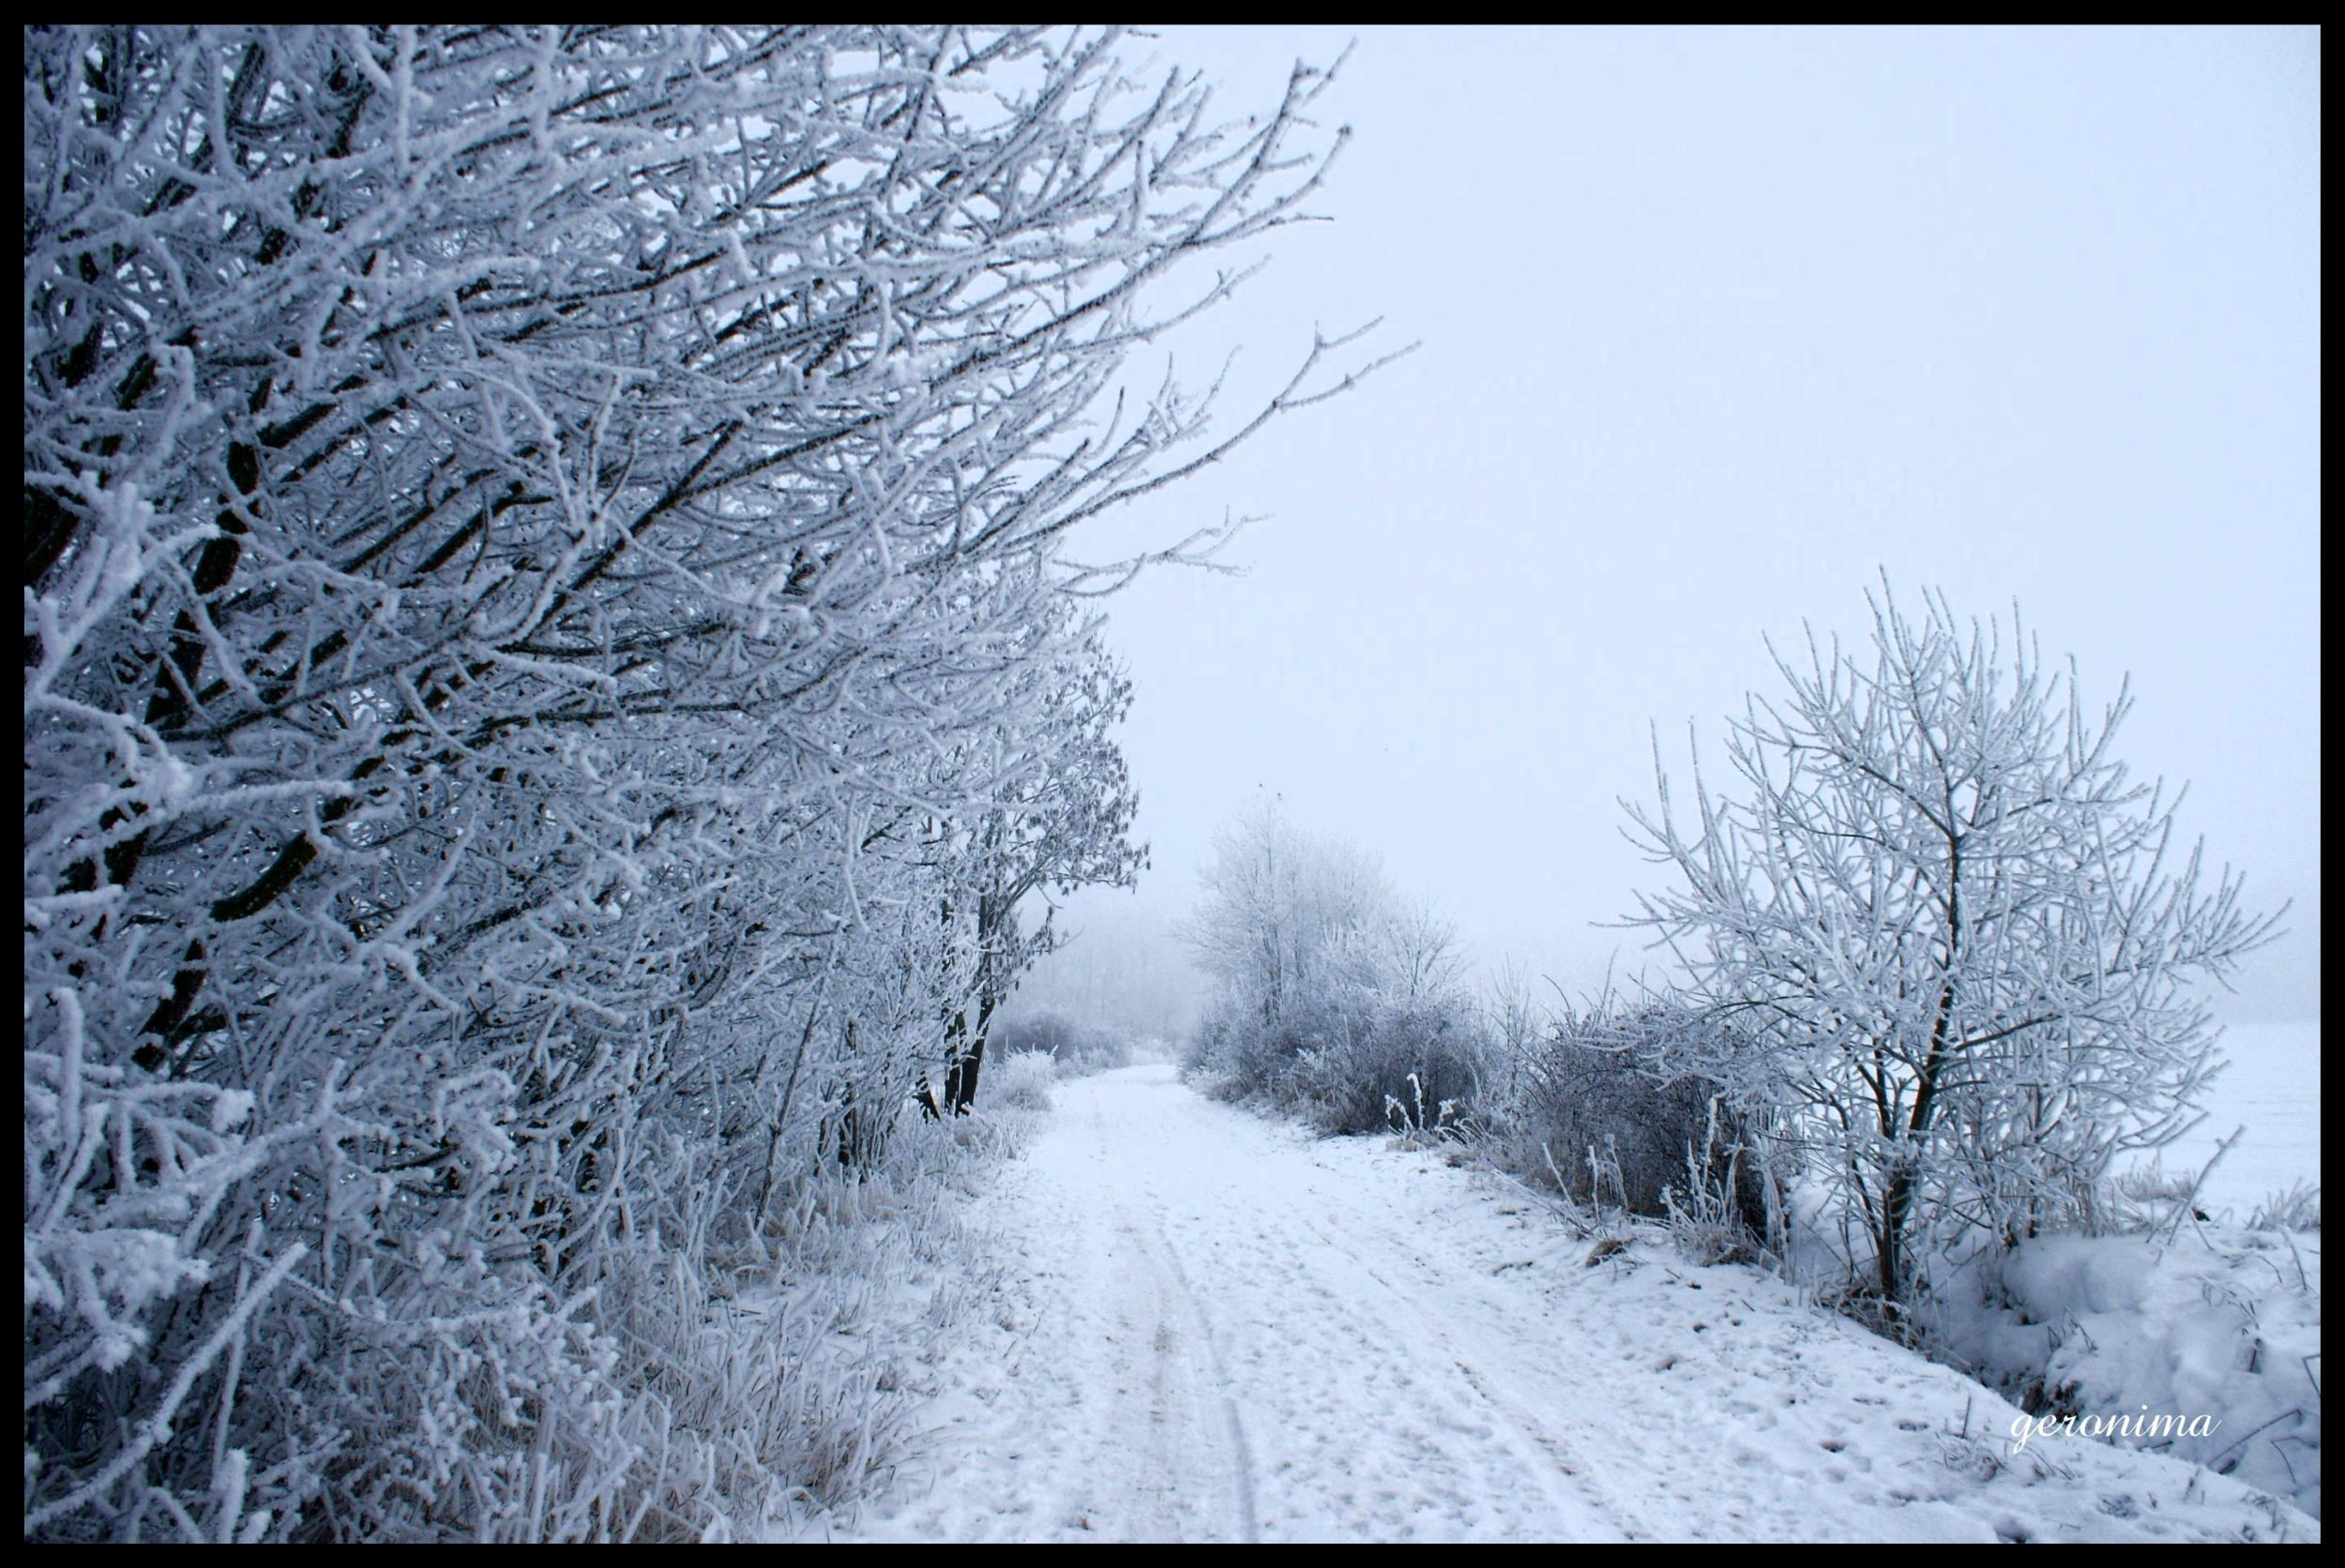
(1713,329)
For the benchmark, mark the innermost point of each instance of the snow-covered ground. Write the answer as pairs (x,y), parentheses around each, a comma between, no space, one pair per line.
(1210,1326)
(2218,1324)
(2272,1087)
(2209,1318)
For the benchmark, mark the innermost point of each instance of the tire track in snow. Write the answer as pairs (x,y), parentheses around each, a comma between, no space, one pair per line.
(1209,1327)
(1170,1380)
(1242,1458)
(1534,1440)
(1311,1290)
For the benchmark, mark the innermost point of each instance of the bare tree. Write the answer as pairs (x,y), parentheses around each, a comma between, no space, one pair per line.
(1409,953)
(1943,930)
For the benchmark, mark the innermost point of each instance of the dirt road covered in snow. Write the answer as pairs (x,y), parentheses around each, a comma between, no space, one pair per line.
(1216,1327)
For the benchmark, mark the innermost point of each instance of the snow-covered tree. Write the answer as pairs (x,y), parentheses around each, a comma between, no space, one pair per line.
(1281,909)
(1059,822)
(1329,990)
(543,575)
(1941,937)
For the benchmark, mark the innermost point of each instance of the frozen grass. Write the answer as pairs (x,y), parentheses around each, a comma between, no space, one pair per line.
(768,1384)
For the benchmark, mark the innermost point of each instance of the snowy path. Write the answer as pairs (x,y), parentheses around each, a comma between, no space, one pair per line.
(1218,1328)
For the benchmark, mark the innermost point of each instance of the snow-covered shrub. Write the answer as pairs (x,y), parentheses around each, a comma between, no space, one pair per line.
(1375,1072)
(1341,1060)
(1074,1047)
(1236,1055)
(1025,1080)
(1193,1052)
(1590,1105)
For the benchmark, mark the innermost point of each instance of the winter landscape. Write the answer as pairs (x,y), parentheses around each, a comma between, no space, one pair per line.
(841,784)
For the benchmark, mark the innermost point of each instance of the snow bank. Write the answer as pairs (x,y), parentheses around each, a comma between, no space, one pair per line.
(2208,1348)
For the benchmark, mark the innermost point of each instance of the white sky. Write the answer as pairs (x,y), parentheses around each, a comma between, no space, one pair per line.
(1714,325)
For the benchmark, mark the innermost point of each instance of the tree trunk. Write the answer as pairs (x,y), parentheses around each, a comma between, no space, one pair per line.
(1896,1204)
(964,1086)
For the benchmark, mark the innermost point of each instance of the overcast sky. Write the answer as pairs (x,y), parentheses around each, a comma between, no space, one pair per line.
(1715,325)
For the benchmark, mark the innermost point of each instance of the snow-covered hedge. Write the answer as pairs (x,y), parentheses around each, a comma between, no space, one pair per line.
(548,674)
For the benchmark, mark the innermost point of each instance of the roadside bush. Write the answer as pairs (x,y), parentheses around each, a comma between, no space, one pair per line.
(1588,1109)
(1236,1057)
(1334,996)
(1344,1069)
(1354,1082)
(1024,1080)
(1073,1046)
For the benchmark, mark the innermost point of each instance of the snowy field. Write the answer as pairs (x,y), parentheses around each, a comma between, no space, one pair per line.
(2272,1088)
(1214,1327)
